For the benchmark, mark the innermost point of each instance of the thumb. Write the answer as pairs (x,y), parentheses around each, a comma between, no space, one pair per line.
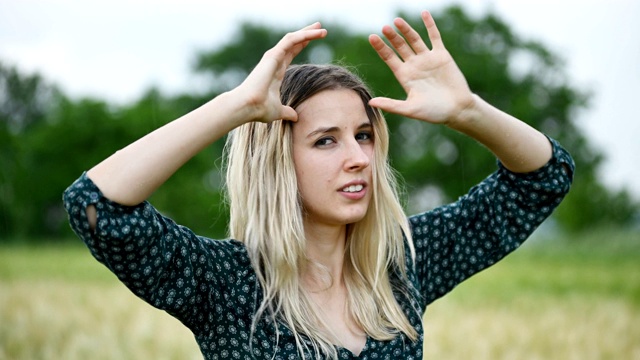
(288,113)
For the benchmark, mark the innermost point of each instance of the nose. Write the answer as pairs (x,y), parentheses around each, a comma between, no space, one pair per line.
(357,157)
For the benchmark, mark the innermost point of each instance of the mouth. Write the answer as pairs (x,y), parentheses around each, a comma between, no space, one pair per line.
(353,188)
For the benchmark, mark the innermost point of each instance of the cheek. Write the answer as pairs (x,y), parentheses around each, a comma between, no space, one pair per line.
(370,151)
(307,172)
(298,165)
(312,174)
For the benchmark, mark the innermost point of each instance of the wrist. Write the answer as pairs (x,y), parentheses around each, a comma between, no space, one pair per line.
(236,111)
(468,116)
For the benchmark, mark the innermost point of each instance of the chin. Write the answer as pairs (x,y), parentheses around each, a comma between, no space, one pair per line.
(354,218)
(338,216)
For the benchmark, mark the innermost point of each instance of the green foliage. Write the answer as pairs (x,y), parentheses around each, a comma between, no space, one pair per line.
(47,139)
(530,305)
(41,160)
(193,196)
(521,77)
(25,102)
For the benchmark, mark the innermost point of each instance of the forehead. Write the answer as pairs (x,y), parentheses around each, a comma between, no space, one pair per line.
(340,107)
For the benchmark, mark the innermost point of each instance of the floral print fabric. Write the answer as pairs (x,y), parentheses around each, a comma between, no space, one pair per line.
(211,287)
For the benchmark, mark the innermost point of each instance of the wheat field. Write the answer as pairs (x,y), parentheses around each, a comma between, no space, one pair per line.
(545,301)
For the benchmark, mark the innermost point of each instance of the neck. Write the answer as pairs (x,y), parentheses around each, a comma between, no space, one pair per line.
(325,247)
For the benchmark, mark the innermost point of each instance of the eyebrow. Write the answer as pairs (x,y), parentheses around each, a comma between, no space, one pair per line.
(330,129)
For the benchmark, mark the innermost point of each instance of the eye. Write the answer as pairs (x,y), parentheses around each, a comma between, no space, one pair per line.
(325,141)
(364,136)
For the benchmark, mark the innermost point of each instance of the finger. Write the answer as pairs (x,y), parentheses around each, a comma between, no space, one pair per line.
(315,25)
(293,43)
(386,54)
(432,29)
(412,37)
(288,113)
(389,105)
(308,33)
(398,42)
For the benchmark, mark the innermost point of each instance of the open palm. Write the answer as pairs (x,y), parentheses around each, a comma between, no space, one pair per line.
(262,86)
(437,91)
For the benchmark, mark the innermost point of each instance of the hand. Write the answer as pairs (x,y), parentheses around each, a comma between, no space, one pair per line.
(437,92)
(261,89)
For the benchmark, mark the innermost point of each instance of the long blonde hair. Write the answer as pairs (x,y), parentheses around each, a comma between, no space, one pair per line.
(267,216)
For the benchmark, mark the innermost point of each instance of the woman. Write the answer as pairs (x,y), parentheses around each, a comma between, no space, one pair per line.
(323,261)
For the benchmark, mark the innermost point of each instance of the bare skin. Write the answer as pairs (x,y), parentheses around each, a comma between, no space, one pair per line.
(437,93)
(132,174)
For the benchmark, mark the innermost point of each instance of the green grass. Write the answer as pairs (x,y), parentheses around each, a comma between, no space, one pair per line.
(58,302)
(68,261)
(574,298)
(598,265)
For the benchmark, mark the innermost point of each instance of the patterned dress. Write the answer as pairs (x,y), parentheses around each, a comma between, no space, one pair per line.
(211,287)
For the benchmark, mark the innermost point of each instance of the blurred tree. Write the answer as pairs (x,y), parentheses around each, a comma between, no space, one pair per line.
(25,101)
(519,76)
(76,135)
(193,196)
(42,157)
(47,139)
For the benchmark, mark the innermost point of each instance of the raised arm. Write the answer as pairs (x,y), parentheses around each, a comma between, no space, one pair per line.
(437,92)
(132,174)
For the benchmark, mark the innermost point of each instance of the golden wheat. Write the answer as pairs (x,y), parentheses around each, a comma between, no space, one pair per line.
(582,302)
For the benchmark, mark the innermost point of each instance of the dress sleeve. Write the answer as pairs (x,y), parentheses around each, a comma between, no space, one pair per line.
(163,263)
(456,241)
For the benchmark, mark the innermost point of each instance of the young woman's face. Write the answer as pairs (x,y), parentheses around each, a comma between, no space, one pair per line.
(332,152)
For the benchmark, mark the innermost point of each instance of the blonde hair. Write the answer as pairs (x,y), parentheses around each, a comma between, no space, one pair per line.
(266,214)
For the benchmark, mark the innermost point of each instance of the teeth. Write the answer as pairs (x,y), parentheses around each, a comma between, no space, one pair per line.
(353,188)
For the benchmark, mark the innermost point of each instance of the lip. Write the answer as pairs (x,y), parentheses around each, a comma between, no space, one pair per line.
(354,195)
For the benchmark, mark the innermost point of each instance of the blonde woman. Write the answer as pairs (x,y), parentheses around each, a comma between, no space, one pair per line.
(321,262)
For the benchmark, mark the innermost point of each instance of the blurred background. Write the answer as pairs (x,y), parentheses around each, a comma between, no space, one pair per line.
(79,80)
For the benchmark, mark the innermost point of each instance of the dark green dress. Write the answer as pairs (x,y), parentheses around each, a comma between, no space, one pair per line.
(211,287)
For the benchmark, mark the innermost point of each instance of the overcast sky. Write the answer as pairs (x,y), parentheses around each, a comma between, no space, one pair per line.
(115,49)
